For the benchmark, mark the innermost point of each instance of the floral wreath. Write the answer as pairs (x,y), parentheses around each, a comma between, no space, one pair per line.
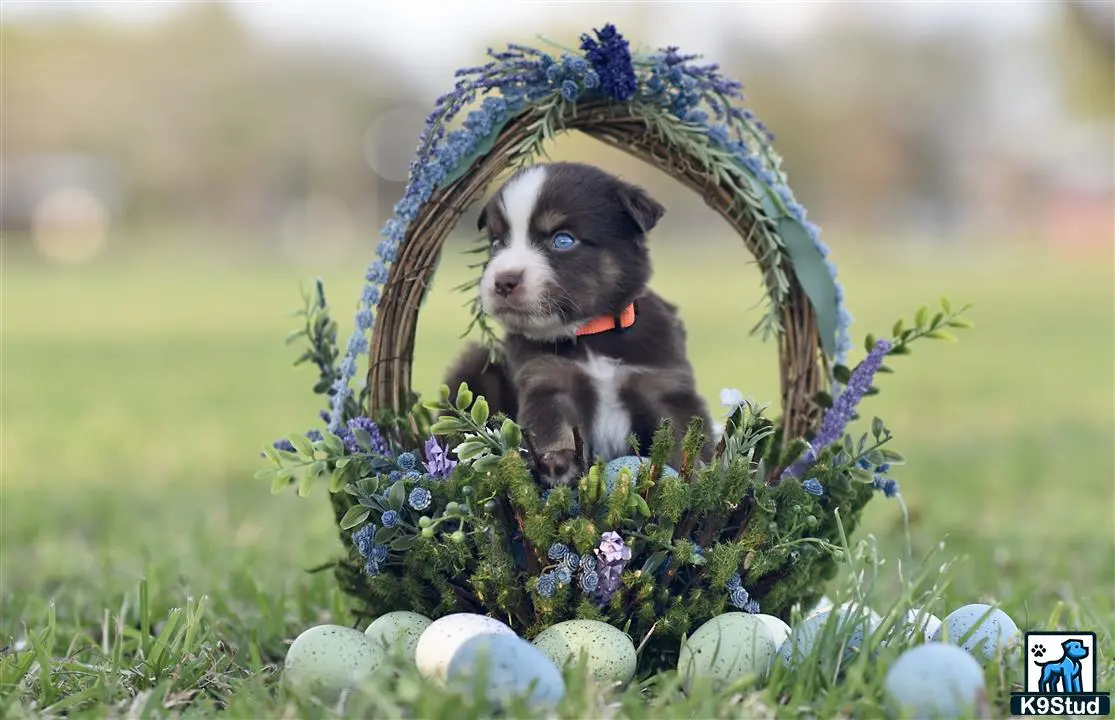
(435,501)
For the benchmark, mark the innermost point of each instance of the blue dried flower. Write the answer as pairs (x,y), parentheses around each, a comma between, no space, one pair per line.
(733,582)
(394,476)
(888,486)
(589,581)
(379,444)
(588,562)
(371,568)
(570,90)
(390,518)
(314,436)
(407,461)
(863,463)
(284,445)
(379,552)
(813,487)
(563,575)
(554,74)
(884,468)
(590,80)
(610,57)
(546,585)
(557,551)
(751,606)
(571,560)
(738,597)
(419,498)
(412,475)
(364,539)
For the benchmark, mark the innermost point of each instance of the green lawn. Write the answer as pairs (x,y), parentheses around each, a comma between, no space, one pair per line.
(136,396)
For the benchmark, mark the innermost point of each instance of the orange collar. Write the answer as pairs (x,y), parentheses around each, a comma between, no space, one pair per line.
(604,323)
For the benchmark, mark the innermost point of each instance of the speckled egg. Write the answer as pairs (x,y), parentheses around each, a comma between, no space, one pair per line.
(728,647)
(935,680)
(632,463)
(995,630)
(328,659)
(823,604)
(805,636)
(444,636)
(512,668)
(398,632)
(610,652)
(778,629)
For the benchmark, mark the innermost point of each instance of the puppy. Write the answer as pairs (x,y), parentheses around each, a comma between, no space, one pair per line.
(587,344)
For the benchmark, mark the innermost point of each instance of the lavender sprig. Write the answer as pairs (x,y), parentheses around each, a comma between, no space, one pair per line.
(840,414)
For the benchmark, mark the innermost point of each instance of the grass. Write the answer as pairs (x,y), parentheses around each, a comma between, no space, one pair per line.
(145,573)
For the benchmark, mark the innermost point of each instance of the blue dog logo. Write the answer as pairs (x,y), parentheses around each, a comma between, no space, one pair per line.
(1065,671)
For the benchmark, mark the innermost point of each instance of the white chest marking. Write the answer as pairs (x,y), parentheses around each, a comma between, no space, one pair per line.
(611,422)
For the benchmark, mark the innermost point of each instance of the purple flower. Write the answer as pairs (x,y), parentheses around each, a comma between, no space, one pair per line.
(888,486)
(840,414)
(612,557)
(610,57)
(379,444)
(284,445)
(438,463)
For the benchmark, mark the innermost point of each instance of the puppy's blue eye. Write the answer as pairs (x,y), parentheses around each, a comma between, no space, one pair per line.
(564,241)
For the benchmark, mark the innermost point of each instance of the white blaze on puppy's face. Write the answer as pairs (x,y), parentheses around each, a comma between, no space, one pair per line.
(518,200)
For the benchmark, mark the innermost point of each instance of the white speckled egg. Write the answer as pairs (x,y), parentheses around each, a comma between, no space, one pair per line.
(445,635)
(805,636)
(935,680)
(778,629)
(610,652)
(512,668)
(995,632)
(728,647)
(632,463)
(398,632)
(328,659)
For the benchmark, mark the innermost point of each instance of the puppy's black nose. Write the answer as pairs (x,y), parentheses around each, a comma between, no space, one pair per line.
(506,282)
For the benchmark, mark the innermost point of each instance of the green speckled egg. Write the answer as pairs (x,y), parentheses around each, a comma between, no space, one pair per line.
(610,652)
(728,647)
(328,659)
(632,463)
(398,632)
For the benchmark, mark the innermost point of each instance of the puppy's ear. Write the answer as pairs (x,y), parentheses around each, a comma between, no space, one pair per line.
(482,219)
(643,209)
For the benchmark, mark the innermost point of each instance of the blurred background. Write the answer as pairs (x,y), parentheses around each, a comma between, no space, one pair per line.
(171,171)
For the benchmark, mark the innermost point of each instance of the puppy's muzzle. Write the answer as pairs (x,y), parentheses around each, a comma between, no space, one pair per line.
(507,282)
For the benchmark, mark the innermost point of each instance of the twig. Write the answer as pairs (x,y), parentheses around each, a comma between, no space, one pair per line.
(579,451)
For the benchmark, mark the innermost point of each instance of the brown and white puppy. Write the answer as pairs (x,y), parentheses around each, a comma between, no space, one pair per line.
(587,344)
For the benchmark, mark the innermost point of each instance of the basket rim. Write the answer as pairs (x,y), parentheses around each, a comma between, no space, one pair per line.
(804,367)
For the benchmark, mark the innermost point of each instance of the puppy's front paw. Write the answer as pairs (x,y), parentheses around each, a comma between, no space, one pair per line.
(557,467)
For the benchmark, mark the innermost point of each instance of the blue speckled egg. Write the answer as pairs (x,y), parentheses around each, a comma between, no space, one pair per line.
(632,463)
(512,668)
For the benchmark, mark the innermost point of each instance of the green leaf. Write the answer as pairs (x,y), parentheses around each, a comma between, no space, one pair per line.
(480,411)
(899,325)
(305,482)
(877,427)
(869,342)
(355,515)
(333,444)
(337,481)
(303,446)
(823,399)
(861,474)
(384,535)
(343,461)
(894,458)
(447,425)
(271,454)
(842,374)
(922,316)
(279,482)
(641,505)
(937,320)
(946,305)
(397,495)
(849,445)
(464,397)
(886,369)
(404,543)
(655,561)
(941,335)
(959,322)
(872,390)
(470,449)
(511,435)
(486,464)
(902,349)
